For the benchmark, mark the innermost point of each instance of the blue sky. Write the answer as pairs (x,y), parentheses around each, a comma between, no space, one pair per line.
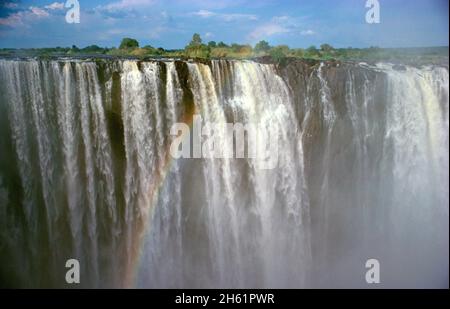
(171,23)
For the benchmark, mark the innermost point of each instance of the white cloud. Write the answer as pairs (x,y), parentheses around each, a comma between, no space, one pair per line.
(204,13)
(231,17)
(267,30)
(164,14)
(55,6)
(123,8)
(38,12)
(280,19)
(23,17)
(280,25)
(212,4)
(156,32)
(12,19)
(10,5)
(209,35)
(129,4)
(110,33)
(223,16)
(307,32)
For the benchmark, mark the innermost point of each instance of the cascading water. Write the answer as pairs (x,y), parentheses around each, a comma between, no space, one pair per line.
(86,173)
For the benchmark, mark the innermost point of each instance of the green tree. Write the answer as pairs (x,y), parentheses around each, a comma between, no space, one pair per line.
(342,52)
(299,52)
(278,54)
(212,44)
(286,50)
(93,49)
(236,47)
(196,40)
(160,51)
(73,50)
(262,46)
(196,49)
(148,47)
(129,43)
(150,50)
(222,44)
(326,48)
(312,51)
(202,51)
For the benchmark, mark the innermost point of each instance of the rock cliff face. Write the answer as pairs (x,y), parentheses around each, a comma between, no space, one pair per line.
(86,173)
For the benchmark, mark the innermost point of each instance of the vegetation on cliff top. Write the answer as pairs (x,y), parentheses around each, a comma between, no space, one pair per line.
(197,49)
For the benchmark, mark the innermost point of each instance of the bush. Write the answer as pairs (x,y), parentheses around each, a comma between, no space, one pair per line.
(139,52)
(93,49)
(299,53)
(201,51)
(326,48)
(195,48)
(262,47)
(279,54)
(196,40)
(312,52)
(128,43)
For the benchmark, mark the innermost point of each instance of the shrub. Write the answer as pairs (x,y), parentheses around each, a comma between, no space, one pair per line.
(128,43)
(262,47)
(278,54)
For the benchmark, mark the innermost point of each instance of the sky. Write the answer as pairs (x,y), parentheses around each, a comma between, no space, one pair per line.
(171,23)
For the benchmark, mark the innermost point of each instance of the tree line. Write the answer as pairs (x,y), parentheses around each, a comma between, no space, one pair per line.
(196,48)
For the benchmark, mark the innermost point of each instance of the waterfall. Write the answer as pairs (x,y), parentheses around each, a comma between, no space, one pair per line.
(361,172)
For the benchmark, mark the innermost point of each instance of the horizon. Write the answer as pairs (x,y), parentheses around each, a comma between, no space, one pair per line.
(298,24)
